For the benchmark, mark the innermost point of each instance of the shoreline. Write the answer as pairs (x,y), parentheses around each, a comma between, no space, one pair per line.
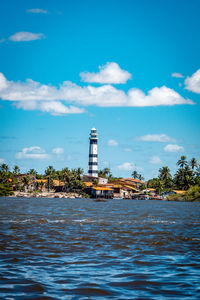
(46,195)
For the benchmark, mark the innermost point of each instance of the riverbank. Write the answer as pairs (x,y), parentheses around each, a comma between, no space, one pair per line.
(46,195)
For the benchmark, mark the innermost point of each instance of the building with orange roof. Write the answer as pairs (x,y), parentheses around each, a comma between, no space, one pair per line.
(179,192)
(101,192)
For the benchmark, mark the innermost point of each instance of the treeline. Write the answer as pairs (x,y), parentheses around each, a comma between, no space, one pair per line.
(186,178)
(71,179)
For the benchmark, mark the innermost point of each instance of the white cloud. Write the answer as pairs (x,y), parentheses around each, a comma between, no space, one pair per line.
(173,148)
(127,166)
(58,150)
(55,108)
(103,96)
(26,36)
(2,161)
(112,143)
(163,138)
(177,75)
(37,11)
(108,73)
(155,160)
(34,152)
(193,83)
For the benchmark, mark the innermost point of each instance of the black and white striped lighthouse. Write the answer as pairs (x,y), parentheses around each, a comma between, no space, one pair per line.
(93,154)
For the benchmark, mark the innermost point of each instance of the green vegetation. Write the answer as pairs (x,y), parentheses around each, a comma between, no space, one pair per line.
(187,178)
(71,180)
(192,194)
(106,173)
(136,175)
(5,190)
(5,180)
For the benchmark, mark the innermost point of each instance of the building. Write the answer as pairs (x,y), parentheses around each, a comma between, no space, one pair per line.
(93,154)
(101,192)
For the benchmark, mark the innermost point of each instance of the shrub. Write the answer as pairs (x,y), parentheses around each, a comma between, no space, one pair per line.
(193,194)
(5,190)
(175,197)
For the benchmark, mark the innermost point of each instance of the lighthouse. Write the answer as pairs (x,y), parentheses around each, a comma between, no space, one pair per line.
(93,154)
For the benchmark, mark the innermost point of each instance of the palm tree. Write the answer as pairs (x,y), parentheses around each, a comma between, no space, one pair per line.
(4,168)
(184,178)
(32,172)
(134,174)
(49,171)
(164,173)
(193,163)
(166,177)
(182,162)
(26,182)
(16,170)
(79,172)
(105,173)
(140,177)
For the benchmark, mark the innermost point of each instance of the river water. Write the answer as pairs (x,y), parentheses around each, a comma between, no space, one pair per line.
(82,249)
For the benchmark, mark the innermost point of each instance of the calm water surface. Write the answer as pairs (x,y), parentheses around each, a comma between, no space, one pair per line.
(81,249)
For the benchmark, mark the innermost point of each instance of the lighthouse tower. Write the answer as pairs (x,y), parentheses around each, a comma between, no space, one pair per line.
(93,155)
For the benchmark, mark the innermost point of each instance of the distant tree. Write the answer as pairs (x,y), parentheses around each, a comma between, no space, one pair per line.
(4,168)
(193,163)
(32,172)
(79,172)
(49,171)
(5,190)
(16,170)
(140,177)
(153,183)
(164,173)
(184,178)
(105,173)
(5,173)
(182,162)
(95,181)
(134,174)
(25,182)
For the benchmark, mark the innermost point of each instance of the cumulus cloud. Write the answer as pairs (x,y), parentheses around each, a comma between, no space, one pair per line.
(177,75)
(173,148)
(112,143)
(24,36)
(37,11)
(34,152)
(109,73)
(33,95)
(58,150)
(55,108)
(163,138)
(127,166)
(193,83)
(155,160)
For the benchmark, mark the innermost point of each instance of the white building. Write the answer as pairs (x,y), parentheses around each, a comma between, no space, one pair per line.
(93,154)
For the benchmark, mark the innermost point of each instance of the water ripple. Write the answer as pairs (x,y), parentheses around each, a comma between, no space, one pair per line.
(81,249)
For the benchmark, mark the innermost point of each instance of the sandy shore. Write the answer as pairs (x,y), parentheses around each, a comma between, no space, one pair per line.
(46,195)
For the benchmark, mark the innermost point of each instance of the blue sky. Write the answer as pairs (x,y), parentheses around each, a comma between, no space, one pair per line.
(128,68)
